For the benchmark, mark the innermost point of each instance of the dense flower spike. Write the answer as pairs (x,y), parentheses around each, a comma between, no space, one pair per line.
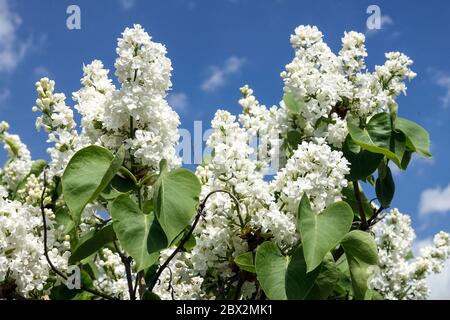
(401,276)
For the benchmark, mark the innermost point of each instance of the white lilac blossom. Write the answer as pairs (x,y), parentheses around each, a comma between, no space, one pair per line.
(315,170)
(57,120)
(21,248)
(401,276)
(336,88)
(265,127)
(179,281)
(112,278)
(20,158)
(138,113)
(92,99)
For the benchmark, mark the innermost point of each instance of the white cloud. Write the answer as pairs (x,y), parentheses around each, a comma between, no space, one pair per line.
(435,200)
(179,101)
(12,48)
(443,81)
(386,21)
(41,71)
(127,4)
(4,95)
(440,284)
(218,75)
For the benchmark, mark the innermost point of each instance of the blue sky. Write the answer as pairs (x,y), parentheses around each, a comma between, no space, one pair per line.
(218,46)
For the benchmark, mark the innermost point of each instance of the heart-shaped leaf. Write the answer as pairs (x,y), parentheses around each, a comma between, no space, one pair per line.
(138,233)
(283,277)
(88,172)
(176,199)
(361,253)
(322,232)
(245,262)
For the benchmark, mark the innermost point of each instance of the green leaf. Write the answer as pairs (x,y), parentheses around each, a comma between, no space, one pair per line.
(148,295)
(89,171)
(176,199)
(418,139)
(117,186)
(385,187)
(326,280)
(293,139)
(361,253)
(322,232)
(63,218)
(138,233)
(283,277)
(363,162)
(377,137)
(245,262)
(291,104)
(37,167)
(91,243)
(348,195)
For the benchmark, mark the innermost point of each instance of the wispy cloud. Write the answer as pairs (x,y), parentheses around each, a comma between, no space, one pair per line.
(435,200)
(127,4)
(12,48)
(4,95)
(442,79)
(386,22)
(218,75)
(179,101)
(41,71)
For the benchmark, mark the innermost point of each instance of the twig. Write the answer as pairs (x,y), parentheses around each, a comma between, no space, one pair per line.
(127,263)
(47,257)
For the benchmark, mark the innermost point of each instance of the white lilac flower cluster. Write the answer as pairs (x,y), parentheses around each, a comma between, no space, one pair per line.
(57,120)
(20,163)
(137,114)
(315,170)
(21,248)
(178,281)
(333,88)
(112,278)
(401,276)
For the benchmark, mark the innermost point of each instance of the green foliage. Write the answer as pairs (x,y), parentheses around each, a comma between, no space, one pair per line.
(361,253)
(378,137)
(322,232)
(363,162)
(291,104)
(283,277)
(348,195)
(417,138)
(385,186)
(326,280)
(176,200)
(139,234)
(246,262)
(92,242)
(88,172)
